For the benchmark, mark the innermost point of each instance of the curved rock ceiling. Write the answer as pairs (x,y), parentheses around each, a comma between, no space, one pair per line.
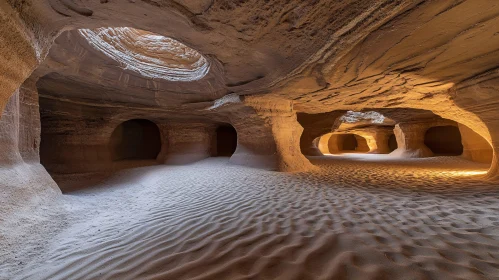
(149,54)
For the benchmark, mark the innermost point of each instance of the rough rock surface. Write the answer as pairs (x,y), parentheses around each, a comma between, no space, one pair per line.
(282,73)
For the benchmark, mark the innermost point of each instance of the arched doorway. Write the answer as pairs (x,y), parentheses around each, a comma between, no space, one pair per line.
(226,141)
(392,143)
(135,139)
(348,142)
(444,140)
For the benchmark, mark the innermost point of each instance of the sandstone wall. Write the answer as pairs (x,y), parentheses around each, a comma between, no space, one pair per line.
(25,183)
(323,144)
(353,55)
(268,135)
(362,144)
(475,148)
(188,142)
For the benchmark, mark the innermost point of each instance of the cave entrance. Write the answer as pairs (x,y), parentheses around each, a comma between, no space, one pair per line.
(226,141)
(135,139)
(348,142)
(444,140)
(392,143)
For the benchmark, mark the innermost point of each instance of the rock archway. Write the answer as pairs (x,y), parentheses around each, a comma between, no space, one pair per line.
(78,77)
(226,141)
(135,139)
(444,140)
(347,143)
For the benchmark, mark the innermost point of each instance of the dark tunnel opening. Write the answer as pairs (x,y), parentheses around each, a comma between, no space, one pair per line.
(135,139)
(226,141)
(444,140)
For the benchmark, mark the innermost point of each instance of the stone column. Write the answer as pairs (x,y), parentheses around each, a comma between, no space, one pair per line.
(186,143)
(268,135)
(410,140)
(24,181)
(9,132)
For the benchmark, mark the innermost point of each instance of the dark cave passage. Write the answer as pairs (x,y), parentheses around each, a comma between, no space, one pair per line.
(444,140)
(135,139)
(226,141)
(392,143)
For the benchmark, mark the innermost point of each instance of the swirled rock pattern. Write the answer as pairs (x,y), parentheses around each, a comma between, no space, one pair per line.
(149,54)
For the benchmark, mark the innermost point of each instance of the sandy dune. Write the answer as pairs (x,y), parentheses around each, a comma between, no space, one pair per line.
(358,217)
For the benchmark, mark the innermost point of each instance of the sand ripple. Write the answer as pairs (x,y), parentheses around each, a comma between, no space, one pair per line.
(356,218)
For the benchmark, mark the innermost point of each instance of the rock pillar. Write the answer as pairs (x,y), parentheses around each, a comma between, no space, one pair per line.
(24,180)
(410,140)
(268,135)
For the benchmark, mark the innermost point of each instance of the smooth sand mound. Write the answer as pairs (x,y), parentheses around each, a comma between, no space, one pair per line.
(357,218)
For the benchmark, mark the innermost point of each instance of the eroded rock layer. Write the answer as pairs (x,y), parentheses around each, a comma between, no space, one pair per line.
(84,83)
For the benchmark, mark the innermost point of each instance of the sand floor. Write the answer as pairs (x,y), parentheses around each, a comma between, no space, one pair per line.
(358,217)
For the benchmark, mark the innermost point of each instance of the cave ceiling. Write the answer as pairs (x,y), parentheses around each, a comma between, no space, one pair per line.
(322,55)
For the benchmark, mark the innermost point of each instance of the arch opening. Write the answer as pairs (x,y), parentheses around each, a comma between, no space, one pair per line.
(444,140)
(135,139)
(348,142)
(226,136)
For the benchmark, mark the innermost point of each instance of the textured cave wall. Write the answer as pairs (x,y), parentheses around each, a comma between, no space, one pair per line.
(475,147)
(334,144)
(481,89)
(188,142)
(268,135)
(85,142)
(411,138)
(323,144)
(74,138)
(24,180)
(20,52)
(362,144)
(354,55)
(410,141)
